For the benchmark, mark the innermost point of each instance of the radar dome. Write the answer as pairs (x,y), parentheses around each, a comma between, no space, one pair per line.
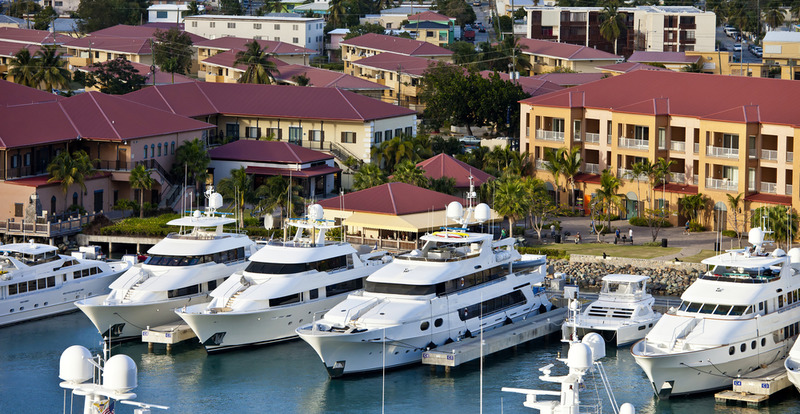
(627,408)
(579,357)
(794,255)
(778,253)
(215,201)
(596,343)
(315,212)
(119,373)
(755,236)
(455,210)
(269,222)
(482,212)
(74,366)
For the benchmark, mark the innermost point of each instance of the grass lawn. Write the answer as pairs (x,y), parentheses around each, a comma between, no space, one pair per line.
(615,250)
(704,254)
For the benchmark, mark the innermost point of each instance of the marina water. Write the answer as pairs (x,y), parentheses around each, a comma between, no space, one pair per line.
(289,378)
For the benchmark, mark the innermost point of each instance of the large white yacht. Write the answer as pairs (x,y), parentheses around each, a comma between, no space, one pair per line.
(284,286)
(622,314)
(740,315)
(458,283)
(180,270)
(36,281)
(792,365)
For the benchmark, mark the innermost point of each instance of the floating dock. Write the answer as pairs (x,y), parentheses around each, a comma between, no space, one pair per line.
(498,339)
(756,390)
(169,334)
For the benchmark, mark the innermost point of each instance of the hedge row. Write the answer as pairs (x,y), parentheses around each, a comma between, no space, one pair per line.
(551,253)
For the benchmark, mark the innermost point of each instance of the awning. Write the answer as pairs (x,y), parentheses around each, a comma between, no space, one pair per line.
(769,199)
(419,222)
(305,173)
(677,188)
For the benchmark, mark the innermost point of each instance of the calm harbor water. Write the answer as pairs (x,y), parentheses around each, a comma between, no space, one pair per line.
(289,378)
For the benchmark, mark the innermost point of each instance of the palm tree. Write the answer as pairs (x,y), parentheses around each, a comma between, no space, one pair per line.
(239,186)
(368,176)
(83,167)
(553,166)
(390,153)
(260,69)
(510,199)
(570,167)
(696,67)
(662,175)
(24,69)
(693,204)
(52,73)
(337,12)
(774,16)
(275,193)
(639,169)
(612,22)
(140,179)
(191,158)
(607,196)
(409,173)
(734,202)
(70,169)
(783,226)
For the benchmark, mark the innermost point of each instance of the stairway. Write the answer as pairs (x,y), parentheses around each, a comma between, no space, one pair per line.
(129,292)
(229,303)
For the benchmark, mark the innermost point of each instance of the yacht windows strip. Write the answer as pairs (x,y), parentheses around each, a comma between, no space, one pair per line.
(31,285)
(490,306)
(325,265)
(228,256)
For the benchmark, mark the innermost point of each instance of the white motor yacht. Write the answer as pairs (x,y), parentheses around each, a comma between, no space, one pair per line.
(181,269)
(742,314)
(36,281)
(622,314)
(284,286)
(457,284)
(792,365)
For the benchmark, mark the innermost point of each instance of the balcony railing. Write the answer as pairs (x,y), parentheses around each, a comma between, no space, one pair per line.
(678,178)
(625,173)
(542,164)
(678,146)
(723,152)
(769,154)
(610,139)
(789,156)
(634,143)
(576,137)
(591,168)
(788,189)
(592,138)
(549,135)
(695,180)
(721,184)
(696,148)
(770,188)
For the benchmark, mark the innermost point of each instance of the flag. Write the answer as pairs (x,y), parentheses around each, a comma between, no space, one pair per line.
(109,408)
(104,407)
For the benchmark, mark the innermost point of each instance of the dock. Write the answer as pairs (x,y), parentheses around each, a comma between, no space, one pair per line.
(169,334)
(757,389)
(498,339)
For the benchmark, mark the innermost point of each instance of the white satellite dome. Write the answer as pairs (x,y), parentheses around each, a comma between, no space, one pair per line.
(74,366)
(778,253)
(794,255)
(579,357)
(596,343)
(455,210)
(482,212)
(315,212)
(215,201)
(120,373)
(755,236)
(627,408)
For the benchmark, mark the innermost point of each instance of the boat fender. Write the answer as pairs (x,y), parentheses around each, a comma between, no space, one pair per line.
(430,346)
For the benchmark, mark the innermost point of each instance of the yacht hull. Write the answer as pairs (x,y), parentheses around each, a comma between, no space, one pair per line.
(127,321)
(792,365)
(619,335)
(231,329)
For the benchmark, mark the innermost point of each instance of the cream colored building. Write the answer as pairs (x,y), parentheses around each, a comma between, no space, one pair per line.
(782,50)
(301,31)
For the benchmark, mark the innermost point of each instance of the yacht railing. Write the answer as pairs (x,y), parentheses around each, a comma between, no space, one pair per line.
(740,277)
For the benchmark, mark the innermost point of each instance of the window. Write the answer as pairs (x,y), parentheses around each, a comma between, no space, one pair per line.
(295,298)
(231,25)
(75,198)
(257,26)
(378,136)
(274,133)
(159,149)
(184,291)
(59,3)
(165,149)
(277,27)
(252,132)
(161,15)
(398,132)
(429,33)
(211,24)
(641,132)
(27,159)
(296,135)
(194,24)
(152,150)
(558,124)
(387,135)
(172,148)
(277,38)
(295,40)
(348,137)
(408,131)
(662,138)
(730,140)
(232,130)
(343,287)
(18,209)
(315,135)
(15,160)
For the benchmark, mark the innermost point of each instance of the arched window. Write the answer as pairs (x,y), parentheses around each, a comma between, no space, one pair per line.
(166,148)
(159,149)
(172,148)
(52,205)
(152,150)
(75,198)
(145,151)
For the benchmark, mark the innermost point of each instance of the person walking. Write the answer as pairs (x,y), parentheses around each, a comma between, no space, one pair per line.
(552,231)
(578,238)
(616,234)
(630,234)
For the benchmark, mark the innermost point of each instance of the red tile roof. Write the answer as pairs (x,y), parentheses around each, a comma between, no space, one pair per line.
(625,67)
(40,181)
(90,115)
(39,37)
(15,94)
(571,79)
(443,165)
(725,98)
(428,16)
(9,49)
(323,78)
(410,65)
(662,57)
(132,45)
(162,78)
(140,32)
(266,151)
(393,198)
(398,45)
(769,199)
(239,43)
(226,59)
(280,101)
(531,86)
(587,178)
(304,173)
(562,50)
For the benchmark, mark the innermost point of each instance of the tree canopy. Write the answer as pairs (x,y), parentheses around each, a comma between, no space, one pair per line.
(459,9)
(115,77)
(99,14)
(172,51)
(259,68)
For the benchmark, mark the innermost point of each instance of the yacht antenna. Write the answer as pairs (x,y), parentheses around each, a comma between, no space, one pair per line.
(383,372)
(481,350)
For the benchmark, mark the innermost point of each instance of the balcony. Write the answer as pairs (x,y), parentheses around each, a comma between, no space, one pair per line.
(591,168)
(677,178)
(624,173)
(549,135)
(592,138)
(696,148)
(542,164)
(634,143)
(722,152)
(789,156)
(679,146)
(721,184)
(769,188)
(769,154)
(788,189)
(695,180)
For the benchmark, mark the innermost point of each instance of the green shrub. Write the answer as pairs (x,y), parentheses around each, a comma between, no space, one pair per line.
(652,244)
(697,227)
(729,233)
(77,208)
(556,223)
(642,222)
(125,204)
(569,212)
(551,253)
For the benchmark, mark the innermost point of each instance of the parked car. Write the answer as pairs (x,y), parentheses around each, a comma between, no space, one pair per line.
(759,52)
(476,3)
(480,27)
(737,47)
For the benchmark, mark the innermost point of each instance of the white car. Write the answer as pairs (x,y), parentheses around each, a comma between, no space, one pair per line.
(737,47)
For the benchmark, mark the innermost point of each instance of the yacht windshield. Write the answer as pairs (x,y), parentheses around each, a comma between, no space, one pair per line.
(713,308)
(398,289)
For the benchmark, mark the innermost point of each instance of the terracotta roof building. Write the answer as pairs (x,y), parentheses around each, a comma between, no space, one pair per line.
(285,52)
(444,165)
(567,80)
(547,56)
(400,73)
(625,67)
(531,86)
(372,44)
(726,135)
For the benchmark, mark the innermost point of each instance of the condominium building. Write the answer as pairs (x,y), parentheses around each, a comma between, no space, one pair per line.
(650,28)
(782,50)
(726,135)
(280,27)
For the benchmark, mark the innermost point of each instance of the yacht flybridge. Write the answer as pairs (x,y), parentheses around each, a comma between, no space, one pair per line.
(622,314)
(180,270)
(740,315)
(458,283)
(284,286)
(36,281)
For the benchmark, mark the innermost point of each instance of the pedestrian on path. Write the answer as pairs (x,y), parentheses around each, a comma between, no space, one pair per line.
(630,234)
